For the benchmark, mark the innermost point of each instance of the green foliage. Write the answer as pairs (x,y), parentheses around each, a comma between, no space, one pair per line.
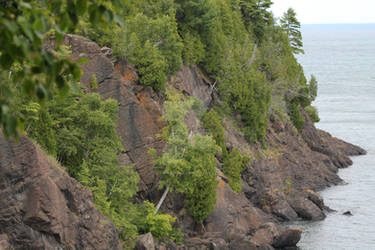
(234,164)
(194,50)
(236,42)
(296,115)
(256,16)
(201,192)
(25,26)
(213,124)
(94,82)
(160,225)
(313,113)
(151,65)
(223,27)
(188,164)
(291,27)
(150,41)
(313,88)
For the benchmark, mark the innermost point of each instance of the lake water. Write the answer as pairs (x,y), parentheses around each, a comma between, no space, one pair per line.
(342,57)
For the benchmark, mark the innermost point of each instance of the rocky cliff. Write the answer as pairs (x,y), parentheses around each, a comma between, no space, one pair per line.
(279,183)
(43,208)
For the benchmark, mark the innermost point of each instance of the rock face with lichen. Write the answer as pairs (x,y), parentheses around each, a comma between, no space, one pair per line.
(279,183)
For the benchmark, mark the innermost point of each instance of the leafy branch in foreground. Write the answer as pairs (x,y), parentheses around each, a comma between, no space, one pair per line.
(25,26)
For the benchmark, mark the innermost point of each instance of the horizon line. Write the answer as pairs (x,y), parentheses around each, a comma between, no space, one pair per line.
(335,23)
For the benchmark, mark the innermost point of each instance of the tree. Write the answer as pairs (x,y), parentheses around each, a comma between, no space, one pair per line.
(188,164)
(256,16)
(25,26)
(291,27)
(151,41)
(313,88)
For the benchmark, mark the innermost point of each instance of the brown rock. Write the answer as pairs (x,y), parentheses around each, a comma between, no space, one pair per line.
(265,235)
(316,199)
(233,214)
(324,143)
(4,242)
(283,210)
(43,208)
(191,81)
(145,242)
(305,208)
(288,238)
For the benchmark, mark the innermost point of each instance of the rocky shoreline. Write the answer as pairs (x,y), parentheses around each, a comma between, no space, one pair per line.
(43,208)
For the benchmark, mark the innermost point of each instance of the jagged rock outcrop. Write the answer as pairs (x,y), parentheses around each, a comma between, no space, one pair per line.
(43,208)
(275,183)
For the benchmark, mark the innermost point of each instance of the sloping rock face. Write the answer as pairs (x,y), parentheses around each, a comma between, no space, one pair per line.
(139,107)
(43,208)
(275,183)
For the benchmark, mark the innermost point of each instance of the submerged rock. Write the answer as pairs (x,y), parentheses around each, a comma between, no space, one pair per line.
(348,213)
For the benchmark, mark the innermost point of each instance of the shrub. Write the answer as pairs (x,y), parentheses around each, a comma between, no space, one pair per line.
(295,115)
(212,123)
(234,164)
(313,113)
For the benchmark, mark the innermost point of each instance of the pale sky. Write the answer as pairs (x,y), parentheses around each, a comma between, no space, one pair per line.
(328,11)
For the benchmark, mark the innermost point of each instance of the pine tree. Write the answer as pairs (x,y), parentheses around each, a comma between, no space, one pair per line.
(291,27)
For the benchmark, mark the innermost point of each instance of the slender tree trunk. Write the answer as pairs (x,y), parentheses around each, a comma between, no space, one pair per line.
(162,199)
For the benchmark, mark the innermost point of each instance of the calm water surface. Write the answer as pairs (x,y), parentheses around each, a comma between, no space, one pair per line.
(342,57)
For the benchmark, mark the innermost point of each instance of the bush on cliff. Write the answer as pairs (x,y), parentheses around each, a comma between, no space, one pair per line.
(296,115)
(313,113)
(188,164)
(213,124)
(234,164)
(152,43)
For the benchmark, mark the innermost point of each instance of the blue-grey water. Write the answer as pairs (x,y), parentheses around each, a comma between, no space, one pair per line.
(342,57)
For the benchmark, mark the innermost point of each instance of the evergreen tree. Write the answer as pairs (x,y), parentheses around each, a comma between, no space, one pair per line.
(291,27)
(256,16)
(188,164)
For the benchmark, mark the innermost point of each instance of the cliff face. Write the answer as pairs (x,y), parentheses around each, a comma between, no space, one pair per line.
(43,208)
(278,184)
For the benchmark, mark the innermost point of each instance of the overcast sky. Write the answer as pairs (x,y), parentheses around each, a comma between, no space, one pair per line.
(328,11)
